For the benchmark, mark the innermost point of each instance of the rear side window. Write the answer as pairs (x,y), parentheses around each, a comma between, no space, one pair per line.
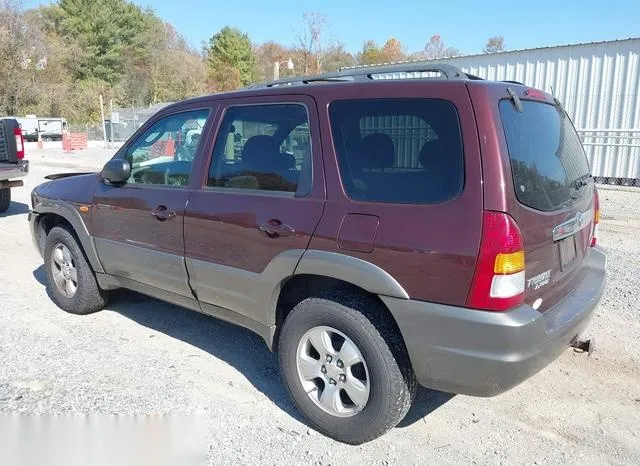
(263,147)
(546,154)
(406,151)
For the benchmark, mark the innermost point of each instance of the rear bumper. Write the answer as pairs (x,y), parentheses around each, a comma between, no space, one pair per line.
(483,353)
(9,171)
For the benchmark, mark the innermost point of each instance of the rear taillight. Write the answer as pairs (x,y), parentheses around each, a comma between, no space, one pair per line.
(19,143)
(596,216)
(498,281)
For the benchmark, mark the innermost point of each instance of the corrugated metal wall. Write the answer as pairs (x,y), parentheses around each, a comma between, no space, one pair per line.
(599,86)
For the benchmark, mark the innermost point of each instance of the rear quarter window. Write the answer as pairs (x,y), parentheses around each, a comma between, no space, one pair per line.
(406,151)
(546,154)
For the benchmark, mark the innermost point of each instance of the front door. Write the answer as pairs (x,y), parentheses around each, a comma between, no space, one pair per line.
(260,203)
(138,227)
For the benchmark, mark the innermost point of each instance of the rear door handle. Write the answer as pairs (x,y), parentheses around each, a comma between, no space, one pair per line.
(162,213)
(275,228)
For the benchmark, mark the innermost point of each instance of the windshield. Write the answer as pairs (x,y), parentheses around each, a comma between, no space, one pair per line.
(547,157)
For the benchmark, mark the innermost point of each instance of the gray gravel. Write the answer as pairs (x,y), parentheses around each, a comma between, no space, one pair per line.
(142,356)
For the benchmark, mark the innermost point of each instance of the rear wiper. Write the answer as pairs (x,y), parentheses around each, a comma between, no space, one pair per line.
(580,183)
(583,181)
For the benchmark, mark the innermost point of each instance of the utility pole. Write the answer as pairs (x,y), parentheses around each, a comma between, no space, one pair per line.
(111,121)
(104,125)
(276,70)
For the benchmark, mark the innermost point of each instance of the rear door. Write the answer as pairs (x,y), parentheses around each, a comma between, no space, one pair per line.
(555,197)
(261,199)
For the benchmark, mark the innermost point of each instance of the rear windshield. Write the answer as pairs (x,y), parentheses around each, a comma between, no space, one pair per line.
(546,154)
(406,151)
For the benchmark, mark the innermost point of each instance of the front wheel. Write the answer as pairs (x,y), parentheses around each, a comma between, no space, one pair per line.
(71,282)
(346,366)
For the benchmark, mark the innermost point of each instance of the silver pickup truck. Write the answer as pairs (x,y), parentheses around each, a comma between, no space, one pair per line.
(12,163)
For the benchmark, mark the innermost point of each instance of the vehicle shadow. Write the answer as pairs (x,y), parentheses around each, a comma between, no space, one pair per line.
(234,345)
(15,208)
(426,402)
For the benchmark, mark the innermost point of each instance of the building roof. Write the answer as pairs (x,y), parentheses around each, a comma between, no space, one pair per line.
(506,52)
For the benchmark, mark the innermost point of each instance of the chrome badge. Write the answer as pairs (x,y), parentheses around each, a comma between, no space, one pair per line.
(539,280)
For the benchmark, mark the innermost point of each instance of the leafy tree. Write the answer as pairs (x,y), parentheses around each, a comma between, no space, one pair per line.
(494,44)
(266,55)
(167,70)
(371,54)
(336,57)
(105,29)
(436,48)
(393,51)
(230,49)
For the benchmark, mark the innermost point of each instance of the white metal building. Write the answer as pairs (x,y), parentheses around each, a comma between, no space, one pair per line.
(599,85)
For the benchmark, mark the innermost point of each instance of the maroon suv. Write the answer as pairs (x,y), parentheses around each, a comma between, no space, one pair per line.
(380,228)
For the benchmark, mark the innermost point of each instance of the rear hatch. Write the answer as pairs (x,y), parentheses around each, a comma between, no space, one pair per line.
(555,197)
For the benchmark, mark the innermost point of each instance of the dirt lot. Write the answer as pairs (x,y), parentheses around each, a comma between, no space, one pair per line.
(141,356)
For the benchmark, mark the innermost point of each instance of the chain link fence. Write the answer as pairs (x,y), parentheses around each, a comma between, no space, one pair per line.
(119,125)
(614,155)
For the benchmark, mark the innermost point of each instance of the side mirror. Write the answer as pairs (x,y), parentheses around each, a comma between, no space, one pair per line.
(116,171)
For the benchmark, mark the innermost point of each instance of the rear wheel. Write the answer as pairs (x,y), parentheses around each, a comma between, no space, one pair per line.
(5,199)
(71,281)
(346,366)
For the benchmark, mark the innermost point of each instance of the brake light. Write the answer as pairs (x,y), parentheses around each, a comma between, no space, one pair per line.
(596,216)
(535,94)
(19,143)
(498,281)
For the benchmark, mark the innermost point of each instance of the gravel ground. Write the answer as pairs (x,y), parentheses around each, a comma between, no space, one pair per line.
(141,356)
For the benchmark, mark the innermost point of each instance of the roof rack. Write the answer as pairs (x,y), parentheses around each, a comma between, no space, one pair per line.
(365,73)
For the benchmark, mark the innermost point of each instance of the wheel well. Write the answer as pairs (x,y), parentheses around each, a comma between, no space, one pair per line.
(300,287)
(45,223)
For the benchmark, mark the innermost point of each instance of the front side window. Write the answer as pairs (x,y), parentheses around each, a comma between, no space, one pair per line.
(263,147)
(406,151)
(164,154)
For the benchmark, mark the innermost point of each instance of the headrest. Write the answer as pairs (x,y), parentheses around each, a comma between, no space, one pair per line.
(377,151)
(260,153)
(287,161)
(432,153)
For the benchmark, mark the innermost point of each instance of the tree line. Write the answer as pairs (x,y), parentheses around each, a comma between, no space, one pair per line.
(56,60)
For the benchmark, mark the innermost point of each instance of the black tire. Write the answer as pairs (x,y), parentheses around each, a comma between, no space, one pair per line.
(89,297)
(368,324)
(5,199)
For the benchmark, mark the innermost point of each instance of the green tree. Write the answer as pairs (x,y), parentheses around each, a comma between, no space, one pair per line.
(370,54)
(391,51)
(105,29)
(230,49)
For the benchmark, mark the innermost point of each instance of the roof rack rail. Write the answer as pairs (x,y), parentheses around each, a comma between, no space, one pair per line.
(513,82)
(365,73)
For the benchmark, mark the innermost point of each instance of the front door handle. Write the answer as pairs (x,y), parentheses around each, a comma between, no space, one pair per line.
(275,228)
(162,213)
